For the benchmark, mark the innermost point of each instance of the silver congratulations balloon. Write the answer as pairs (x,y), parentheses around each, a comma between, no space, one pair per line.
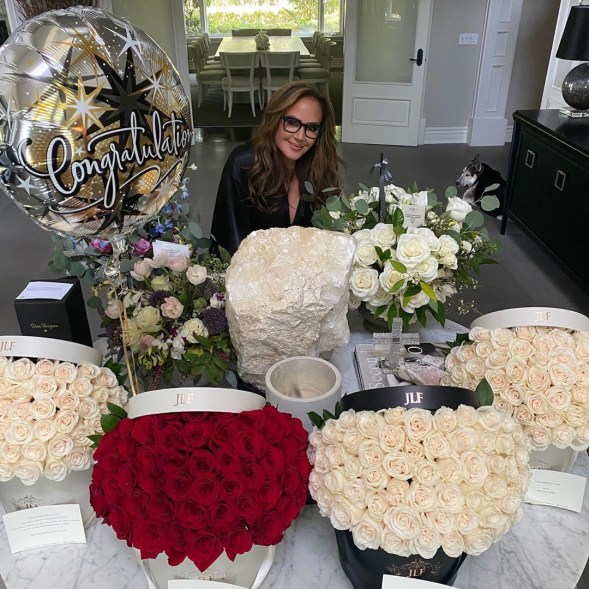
(95,125)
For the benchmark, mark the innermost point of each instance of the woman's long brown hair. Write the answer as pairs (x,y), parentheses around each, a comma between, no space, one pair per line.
(269,178)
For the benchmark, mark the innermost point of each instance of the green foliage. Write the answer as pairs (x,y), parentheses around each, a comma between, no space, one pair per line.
(108,422)
(319,420)
(484,393)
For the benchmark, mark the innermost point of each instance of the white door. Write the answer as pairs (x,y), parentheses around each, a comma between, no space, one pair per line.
(557,68)
(385,56)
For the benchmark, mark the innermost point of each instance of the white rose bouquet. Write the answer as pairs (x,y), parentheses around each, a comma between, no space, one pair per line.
(48,409)
(410,482)
(423,253)
(540,375)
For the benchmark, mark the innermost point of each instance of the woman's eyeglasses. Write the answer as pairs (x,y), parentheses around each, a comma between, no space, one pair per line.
(292,125)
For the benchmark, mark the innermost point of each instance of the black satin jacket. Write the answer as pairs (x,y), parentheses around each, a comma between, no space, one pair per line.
(236,216)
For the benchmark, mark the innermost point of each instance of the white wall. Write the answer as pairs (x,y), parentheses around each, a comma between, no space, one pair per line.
(452,68)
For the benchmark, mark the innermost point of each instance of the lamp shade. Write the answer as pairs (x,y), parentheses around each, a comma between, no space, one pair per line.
(574,44)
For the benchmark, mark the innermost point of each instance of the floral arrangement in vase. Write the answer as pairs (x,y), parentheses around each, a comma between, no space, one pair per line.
(197,484)
(540,375)
(171,306)
(410,481)
(48,408)
(418,256)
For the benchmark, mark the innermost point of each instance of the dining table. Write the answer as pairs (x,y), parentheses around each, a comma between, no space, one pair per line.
(245,44)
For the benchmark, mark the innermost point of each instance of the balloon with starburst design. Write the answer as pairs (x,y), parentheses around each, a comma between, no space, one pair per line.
(95,125)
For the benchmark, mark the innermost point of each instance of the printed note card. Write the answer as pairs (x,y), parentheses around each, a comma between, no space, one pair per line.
(558,489)
(172,249)
(44,526)
(45,290)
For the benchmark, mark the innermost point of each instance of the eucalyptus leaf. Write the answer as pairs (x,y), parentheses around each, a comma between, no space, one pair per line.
(94,303)
(474,219)
(455,236)
(309,187)
(77,269)
(362,207)
(339,225)
(224,254)
(451,192)
(203,243)
(490,202)
(231,378)
(308,198)
(126,265)
(195,229)
(333,204)
(491,188)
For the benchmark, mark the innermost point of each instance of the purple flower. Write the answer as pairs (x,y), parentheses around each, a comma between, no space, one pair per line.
(215,320)
(101,246)
(141,247)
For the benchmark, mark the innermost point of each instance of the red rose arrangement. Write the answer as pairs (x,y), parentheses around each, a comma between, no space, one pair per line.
(196,484)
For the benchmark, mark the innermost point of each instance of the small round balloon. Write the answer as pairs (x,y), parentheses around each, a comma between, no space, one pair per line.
(95,125)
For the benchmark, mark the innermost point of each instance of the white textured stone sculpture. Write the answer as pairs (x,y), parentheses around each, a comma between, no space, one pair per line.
(287,295)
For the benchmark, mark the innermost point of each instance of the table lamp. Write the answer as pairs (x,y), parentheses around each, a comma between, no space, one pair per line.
(574,45)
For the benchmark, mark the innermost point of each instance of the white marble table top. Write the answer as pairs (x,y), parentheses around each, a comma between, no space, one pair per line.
(245,44)
(546,549)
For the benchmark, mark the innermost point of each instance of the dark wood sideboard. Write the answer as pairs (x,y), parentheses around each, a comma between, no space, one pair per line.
(548,186)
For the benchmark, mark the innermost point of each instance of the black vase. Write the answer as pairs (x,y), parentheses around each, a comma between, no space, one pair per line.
(365,568)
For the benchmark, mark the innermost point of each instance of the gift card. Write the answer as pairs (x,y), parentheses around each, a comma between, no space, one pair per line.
(172,249)
(393,582)
(44,526)
(557,489)
(45,290)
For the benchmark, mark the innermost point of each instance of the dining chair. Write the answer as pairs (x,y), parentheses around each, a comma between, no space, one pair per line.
(206,75)
(319,75)
(278,32)
(240,69)
(244,32)
(206,41)
(278,69)
(314,56)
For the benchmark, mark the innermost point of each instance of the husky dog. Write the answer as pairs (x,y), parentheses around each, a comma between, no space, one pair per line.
(476,178)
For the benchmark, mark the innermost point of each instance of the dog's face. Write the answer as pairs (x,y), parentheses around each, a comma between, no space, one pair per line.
(470,174)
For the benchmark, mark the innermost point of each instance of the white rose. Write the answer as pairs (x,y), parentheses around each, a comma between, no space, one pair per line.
(516,371)
(20,370)
(44,429)
(88,408)
(412,249)
(161,283)
(19,432)
(436,445)
(428,542)
(463,439)
(106,378)
(171,308)
(394,415)
(430,237)
(377,505)
(66,372)
(43,408)
(421,497)
(418,423)
(88,370)
(375,477)
(81,387)
(355,492)
(450,497)
(453,544)
(370,454)
(428,269)
(396,492)
(415,302)
(178,264)
(404,522)
(367,533)
(35,450)
(450,469)
(10,453)
(335,455)
(427,472)
(539,435)
(192,328)
(562,375)
(344,515)
(43,387)
(365,254)
(351,440)
(398,465)
(362,235)
(414,450)
(576,415)
(364,282)
(383,235)
(537,404)
(467,415)
(79,459)
(490,418)
(45,366)
(18,412)
(369,424)
(442,521)
(60,445)
(66,421)
(389,277)
(391,438)
(28,471)
(55,470)
(457,208)
(196,274)
(392,544)
(467,521)
(496,488)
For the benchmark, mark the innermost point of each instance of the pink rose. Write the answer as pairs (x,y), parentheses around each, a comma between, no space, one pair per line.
(141,247)
(141,270)
(178,264)
(172,308)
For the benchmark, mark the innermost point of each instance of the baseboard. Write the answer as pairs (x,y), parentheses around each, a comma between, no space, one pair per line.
(445,135)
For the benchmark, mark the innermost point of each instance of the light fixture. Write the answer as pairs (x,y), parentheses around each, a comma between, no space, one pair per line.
(574,45)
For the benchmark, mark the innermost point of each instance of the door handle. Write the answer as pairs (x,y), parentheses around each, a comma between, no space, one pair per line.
(419,59)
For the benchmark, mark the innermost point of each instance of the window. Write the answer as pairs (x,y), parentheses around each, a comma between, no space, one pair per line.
(218,17)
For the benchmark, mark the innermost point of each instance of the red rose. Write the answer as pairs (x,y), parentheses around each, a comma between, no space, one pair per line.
(291,481)
(127,478)
(124,428)
(174,462)
(148,539)
(168,438)
(120,522)
(144,429)
(238,541)
(126,448)
(175,557)
(201,462)
(232,487)
(203,548)
(149,480)
(224,429)
(98,500)
(192,514)
(270,493)
(273,426)
(268,530)
(254,419)
(222,516)
(304,467)
(160,509)
(145,457)
(178,485)
(136,504)
(205,490)
(112,491)
(250,444)
(176,537)
(195,434)
(253,475)
(273,459)
(250,508)
(109,462)
(227,460)
(287,510)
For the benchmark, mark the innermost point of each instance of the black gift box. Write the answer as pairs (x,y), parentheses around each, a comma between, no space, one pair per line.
(64,319)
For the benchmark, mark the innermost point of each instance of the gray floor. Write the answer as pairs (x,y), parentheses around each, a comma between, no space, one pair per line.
(525,276)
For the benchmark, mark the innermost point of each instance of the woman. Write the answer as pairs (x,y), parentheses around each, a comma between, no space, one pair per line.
(263,180)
